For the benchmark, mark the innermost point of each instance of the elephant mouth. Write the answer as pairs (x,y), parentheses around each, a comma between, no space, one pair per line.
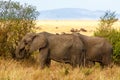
(21,54)
(24,53)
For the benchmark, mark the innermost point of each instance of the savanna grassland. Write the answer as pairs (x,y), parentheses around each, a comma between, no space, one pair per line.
(29,69)
(56,26)
(25,70)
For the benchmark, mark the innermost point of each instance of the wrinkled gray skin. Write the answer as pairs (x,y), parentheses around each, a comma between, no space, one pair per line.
(67,48)
(98,49)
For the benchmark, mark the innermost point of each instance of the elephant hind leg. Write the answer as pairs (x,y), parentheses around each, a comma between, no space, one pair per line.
(74,61)
(44,61)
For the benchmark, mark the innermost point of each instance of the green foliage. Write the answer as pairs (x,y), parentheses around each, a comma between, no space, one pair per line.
(15,21)
(110,33)
(108,19)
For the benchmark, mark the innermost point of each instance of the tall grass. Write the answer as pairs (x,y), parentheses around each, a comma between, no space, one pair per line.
(27,70)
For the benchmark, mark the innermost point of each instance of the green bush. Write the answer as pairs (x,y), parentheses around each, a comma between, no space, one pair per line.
(110,33)
(15,21)
(113,36)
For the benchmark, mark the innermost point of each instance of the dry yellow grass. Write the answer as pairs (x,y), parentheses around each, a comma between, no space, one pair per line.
(57,26)
(14,70)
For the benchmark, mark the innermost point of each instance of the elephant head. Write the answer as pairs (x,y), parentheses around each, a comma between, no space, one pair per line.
(29,43)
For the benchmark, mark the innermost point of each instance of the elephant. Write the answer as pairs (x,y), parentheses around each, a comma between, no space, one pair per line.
(98,49)
(64,48)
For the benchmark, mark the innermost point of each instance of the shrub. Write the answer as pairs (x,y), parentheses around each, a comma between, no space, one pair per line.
(15,21)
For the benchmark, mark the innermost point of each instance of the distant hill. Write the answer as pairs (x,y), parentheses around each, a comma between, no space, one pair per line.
(70,13)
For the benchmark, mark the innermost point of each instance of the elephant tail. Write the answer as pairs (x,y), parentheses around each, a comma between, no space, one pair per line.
(83,58)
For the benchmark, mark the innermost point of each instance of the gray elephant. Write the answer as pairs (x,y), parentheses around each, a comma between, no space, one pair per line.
(98,49)
(67,48)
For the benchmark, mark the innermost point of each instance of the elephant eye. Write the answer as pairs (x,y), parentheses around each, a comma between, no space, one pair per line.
(21,49)
(83,50)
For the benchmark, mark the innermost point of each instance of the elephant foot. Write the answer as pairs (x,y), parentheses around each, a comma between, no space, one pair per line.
(42,66)
(48,62)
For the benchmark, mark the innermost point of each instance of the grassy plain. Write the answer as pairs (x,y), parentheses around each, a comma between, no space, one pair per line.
(29,69)
(57,26)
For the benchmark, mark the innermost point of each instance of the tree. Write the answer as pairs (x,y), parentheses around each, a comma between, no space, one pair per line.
(108,19)
(15,21)
(105,23)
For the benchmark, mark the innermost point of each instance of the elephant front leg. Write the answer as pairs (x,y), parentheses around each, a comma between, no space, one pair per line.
(44,58)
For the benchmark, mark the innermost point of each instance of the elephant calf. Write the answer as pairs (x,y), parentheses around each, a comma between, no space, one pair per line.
(67,48)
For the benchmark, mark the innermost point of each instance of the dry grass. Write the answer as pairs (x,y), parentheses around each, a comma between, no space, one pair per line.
(55,26)
(14,70)
(29,69)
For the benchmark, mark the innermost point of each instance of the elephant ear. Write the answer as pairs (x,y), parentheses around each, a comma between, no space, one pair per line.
(39,41)
(26,40)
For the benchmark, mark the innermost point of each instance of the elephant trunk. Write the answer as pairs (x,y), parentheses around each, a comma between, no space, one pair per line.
(19,54)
